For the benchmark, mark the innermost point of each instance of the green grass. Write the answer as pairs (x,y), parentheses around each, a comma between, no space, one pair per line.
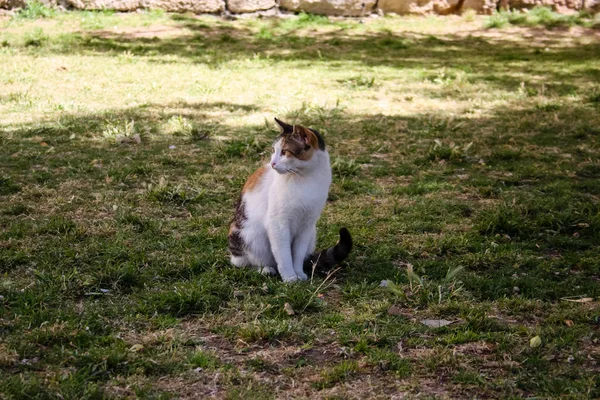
(35,9)
(540,16)
(466,164)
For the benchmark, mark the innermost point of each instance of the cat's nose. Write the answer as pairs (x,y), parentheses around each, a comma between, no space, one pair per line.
(273,164)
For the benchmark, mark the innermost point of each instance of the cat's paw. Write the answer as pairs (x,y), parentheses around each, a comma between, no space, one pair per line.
(290,278)
(302,276)
(268,271)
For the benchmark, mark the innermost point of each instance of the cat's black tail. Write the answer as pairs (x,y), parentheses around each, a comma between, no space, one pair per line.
(326,259)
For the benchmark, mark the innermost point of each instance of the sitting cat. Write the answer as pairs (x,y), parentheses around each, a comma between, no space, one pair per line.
(274,227)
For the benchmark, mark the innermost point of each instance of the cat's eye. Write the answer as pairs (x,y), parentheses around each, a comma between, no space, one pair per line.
(283,152)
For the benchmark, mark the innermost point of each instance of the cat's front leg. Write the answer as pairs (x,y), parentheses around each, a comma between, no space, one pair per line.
(280,240)
(300,248)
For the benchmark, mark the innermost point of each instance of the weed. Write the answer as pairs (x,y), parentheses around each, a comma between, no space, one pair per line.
(450,152)
(594,97)
(17,209)
(469,15)
(190,298)
(497,21)
(422,291)
(181,126)
(341,372)
(7,186)
(359,82)
(385,360)
(205,360)
(344,168)
(268,330)
(35,9)
(125,132)
(35,38)
(164,192)
(538,16)
(305,20)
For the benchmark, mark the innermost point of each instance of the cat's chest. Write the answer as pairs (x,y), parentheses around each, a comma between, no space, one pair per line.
(302,199)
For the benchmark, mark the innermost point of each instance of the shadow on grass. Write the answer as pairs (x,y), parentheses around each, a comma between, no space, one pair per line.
(513,196)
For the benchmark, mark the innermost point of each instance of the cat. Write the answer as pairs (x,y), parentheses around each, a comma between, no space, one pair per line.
(274,227)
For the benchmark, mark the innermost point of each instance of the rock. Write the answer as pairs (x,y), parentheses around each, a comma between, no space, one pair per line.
(11,4)
(443,7)
(271,12)
(247,6)
(592,6)
(195,6)
(564,6)
(117,5)
(405,6)
(349,8)
(481,6)
(346,8)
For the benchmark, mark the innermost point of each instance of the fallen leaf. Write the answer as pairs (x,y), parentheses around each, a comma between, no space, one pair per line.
(436,323)
(581,300)
(288,309)
(535,342)
(96,163)
(393,310)
(136,348)
(568,322)
(43,144)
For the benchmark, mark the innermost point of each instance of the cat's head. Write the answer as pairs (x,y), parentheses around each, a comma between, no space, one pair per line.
(296,149)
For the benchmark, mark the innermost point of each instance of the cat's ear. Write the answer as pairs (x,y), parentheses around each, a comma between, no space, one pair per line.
(285,128)
(306,135)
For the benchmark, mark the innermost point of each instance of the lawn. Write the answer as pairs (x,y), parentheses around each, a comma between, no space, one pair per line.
(466,161)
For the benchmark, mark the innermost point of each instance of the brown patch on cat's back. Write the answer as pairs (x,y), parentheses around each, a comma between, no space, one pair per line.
(236,242)
(254,179)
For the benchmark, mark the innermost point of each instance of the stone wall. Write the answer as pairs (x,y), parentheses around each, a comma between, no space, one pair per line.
(344,8)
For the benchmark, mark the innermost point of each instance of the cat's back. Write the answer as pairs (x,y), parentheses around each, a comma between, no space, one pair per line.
(255,193)
(258,182)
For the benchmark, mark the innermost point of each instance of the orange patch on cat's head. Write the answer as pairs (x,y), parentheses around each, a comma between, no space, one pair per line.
(306,135)
(301,134)
(301,143)
(254,179)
